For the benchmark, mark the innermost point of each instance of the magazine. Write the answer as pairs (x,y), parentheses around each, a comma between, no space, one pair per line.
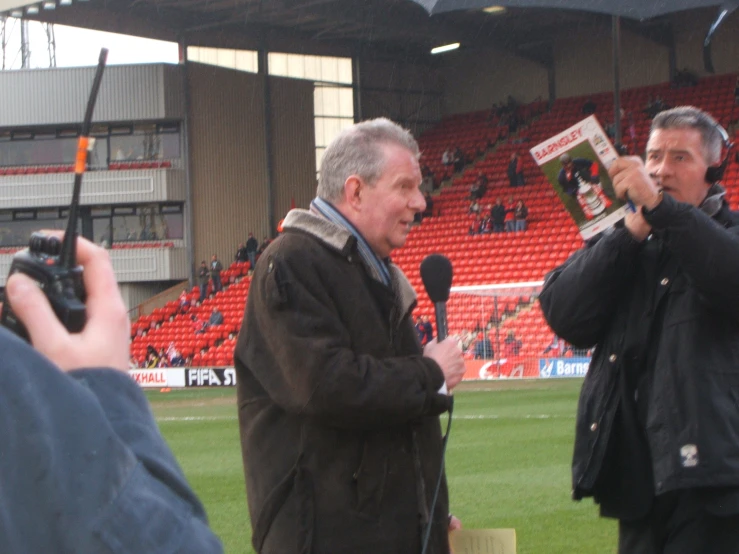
(576,163)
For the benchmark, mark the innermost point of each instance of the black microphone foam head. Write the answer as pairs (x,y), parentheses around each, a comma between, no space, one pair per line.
(436,273)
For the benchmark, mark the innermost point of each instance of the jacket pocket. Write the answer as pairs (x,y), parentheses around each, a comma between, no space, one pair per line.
(370,479)
(286,521)
(272,505)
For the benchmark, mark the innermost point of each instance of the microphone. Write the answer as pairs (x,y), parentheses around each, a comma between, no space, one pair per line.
(436,274)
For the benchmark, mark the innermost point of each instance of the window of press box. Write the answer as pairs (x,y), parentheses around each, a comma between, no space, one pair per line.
(46,149)
(109,224)
(140,223)
(43,147)
(17,226)
(145,142)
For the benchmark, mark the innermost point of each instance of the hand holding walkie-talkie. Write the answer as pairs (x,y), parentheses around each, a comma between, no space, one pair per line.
(52,263)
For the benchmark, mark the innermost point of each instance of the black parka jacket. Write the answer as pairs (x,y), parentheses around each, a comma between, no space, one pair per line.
(692,409)
(338,409)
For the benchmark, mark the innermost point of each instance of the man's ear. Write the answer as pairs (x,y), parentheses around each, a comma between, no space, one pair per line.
(353,191)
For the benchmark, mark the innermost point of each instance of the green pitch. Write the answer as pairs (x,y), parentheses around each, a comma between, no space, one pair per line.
(508,463)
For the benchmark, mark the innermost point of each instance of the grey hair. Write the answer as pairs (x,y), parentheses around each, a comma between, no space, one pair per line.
(690,117)
(357,150)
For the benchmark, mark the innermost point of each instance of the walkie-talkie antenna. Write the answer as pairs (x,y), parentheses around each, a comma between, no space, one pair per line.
(68,254)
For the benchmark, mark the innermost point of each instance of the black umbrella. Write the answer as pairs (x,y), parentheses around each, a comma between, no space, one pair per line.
(634,9)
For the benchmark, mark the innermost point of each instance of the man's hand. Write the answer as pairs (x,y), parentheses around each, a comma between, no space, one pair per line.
(104,340)
(630,178)
(454,523)
(449,357)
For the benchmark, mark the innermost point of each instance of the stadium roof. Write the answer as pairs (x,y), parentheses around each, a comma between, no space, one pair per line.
(385,28)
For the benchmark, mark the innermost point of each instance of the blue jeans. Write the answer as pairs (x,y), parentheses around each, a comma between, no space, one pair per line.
(252,259)
(203,291)
(520,225)
(217,286)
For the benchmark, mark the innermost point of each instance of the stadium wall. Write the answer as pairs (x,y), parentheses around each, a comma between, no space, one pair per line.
(474,80)
(293,140)
(229,158)
(690,31)
(408,93)
(128,93)
(584,62)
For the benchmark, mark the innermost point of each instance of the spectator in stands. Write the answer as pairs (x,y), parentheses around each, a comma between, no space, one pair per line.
(485,225)
(520,215)
(685,78)
(263,246)
(458,159)
(198,325)
(589,107)
(429,211)
(515,171)
(320,357)
(184,301)
(474,208)
(241,255)
(483,347)
(510,222)
(447,158)
(203,278)
(84,467)
(512,345)
(658,298)
(557,346)
(152,358)
(475,225)
(575,169)
(428,181)
(498,214)
(479,187)
(655,106)
(216,317)
(420,330)
(252,246)
(174,356)
(215,273)
(428,328)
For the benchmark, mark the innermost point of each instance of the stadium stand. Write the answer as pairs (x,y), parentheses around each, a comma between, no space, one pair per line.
(478,259)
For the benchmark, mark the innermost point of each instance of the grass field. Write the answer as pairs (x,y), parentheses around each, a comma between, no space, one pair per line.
(508,463)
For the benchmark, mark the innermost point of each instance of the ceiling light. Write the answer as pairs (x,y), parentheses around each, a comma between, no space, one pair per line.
(445,48)
(49,5)
(65,2)
(16,13)
(32,10)
(494,9)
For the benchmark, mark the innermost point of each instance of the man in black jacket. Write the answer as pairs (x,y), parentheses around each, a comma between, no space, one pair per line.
(657,434)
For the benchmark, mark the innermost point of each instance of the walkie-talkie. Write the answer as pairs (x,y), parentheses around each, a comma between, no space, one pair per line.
(52,263)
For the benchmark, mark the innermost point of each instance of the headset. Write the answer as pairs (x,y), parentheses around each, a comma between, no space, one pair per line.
(715,173)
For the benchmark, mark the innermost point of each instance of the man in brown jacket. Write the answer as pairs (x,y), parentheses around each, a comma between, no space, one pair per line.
(338,401)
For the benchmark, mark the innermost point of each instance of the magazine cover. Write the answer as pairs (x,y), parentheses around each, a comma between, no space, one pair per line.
(576,163)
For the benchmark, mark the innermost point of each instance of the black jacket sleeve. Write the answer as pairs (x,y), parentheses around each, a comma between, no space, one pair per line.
(580,297)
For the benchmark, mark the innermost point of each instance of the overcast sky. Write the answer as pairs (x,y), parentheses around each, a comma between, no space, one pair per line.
(79,47)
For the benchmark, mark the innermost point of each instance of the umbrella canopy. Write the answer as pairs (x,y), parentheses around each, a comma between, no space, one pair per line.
(634,9)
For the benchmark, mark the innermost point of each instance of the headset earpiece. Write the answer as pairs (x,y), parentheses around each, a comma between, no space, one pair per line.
(716,172)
